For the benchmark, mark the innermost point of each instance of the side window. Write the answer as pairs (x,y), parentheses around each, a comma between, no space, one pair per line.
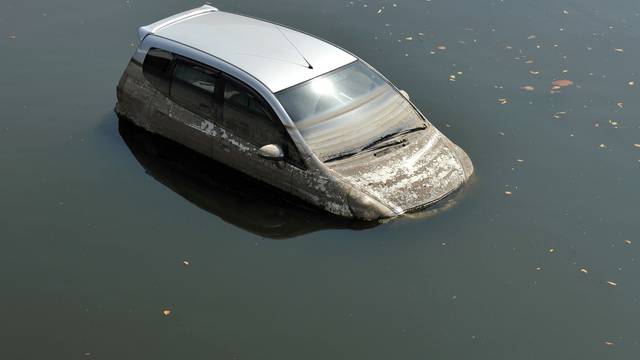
(246,115)
(157,68)
(193,86)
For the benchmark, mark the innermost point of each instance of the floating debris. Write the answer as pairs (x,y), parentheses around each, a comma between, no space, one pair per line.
(503,101)
(534,72)
(565,12)
(531,37)
(602,146)
(441,47)
(12,37)
(584,271)
(637,146)
(562,83)
(409,38)
(611,283)
(185,263)
(552,250)
(628,242)
(508,193)
(620,105)
(166,312)
(452,77)
(527,88)
(632,83)
(609,343)
(559,114)
(620,50)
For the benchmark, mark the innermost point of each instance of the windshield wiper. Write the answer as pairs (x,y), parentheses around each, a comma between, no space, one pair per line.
(392,135)
(376,142)
(342,156)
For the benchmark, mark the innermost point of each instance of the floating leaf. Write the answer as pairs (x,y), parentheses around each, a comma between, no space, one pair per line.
(628,242)
(562,83)
(559,114)
(166,312)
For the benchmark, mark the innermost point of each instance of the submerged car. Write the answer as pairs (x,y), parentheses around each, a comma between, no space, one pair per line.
(291,110)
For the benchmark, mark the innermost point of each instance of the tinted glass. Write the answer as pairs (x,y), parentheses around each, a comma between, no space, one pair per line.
(193,87)
(246,115)
(157,69)
(347,109)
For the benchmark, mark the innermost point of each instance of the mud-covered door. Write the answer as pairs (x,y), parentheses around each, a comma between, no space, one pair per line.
(247,125)
(194,112)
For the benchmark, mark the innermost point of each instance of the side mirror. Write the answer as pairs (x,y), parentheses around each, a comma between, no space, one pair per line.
(271,152)
(405,94)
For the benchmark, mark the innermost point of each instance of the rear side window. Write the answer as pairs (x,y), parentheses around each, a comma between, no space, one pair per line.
(157,69)
(193,86)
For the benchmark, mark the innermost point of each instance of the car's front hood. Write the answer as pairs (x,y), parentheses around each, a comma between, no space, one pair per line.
(404,178)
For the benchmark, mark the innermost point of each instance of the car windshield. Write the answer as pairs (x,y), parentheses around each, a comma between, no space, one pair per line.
(347,109)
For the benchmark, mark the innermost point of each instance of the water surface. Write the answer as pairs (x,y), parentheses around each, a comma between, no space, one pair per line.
(95,227)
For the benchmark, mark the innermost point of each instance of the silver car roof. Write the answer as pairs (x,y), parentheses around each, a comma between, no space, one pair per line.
(277,56)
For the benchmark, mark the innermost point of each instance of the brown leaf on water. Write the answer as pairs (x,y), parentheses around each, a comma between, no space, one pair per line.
(562,83)
(527,88)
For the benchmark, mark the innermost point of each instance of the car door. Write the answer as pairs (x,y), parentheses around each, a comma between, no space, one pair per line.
(248,124)
(186,102)
(195,89)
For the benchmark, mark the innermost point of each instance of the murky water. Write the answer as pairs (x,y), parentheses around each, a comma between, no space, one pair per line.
(96,219)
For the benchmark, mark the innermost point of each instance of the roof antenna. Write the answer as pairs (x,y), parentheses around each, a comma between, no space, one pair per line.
(298,50)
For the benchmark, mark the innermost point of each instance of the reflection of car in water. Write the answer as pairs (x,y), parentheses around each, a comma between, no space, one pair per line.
(290,110)
(225,192)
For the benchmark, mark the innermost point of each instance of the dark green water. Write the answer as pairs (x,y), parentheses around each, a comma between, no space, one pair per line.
(93,235)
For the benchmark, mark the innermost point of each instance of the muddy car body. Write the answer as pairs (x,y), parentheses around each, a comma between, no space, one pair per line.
(291,110)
